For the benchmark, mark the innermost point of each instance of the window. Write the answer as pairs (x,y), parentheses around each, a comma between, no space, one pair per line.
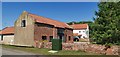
(23,24)
(51,37)
(44,38)
(69,38)
(83,31)
(60,31)
(79,31)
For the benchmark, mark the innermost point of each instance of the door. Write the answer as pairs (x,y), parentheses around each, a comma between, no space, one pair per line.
(61,37)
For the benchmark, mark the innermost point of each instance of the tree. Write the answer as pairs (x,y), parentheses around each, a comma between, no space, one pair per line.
(106,28)
(80,22)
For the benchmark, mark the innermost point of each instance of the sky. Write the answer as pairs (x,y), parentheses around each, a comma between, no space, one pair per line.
(61,11)
(0,15)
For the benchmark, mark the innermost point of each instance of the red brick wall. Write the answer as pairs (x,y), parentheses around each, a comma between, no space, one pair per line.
(69,32)
(55,32)
(40,31)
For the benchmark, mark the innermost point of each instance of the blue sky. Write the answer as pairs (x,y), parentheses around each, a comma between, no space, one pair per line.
(0,15)
(61,11)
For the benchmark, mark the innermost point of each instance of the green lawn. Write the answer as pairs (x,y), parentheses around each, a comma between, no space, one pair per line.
(44,51)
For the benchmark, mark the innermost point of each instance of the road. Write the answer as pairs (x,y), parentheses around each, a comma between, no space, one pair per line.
(7,51)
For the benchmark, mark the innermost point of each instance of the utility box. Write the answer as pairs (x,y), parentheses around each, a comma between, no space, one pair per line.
(56,44)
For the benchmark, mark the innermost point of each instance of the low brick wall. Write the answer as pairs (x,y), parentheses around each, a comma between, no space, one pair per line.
(48,45)
(86,47)
(44,45)
(115,50)
(94,48)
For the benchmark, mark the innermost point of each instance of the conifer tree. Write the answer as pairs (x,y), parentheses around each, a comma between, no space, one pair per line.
(106,28)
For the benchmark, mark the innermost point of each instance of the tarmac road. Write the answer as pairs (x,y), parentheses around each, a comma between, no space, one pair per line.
(7,51)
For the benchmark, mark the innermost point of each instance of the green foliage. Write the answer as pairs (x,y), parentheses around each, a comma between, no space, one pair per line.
(106,27)
(81,22)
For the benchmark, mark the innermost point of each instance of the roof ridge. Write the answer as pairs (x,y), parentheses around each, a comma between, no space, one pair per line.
(42,16)
(69,25)
(8,27)
(79,24)
(50,21)
(45,17)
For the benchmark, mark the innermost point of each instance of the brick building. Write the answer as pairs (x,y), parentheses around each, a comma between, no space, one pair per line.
(31,28)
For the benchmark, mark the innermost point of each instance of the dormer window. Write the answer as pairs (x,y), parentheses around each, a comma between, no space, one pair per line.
(23,24)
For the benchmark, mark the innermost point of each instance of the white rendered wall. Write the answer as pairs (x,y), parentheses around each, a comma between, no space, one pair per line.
(0,40)
(8,39)
(83,32)
(0,37)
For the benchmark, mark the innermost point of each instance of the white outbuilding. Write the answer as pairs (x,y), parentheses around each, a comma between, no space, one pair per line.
(81,30)
(7,36)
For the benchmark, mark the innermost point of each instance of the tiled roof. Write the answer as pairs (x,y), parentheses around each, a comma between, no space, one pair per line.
(41,19)
(7,30)
(79,26)
(76,34)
